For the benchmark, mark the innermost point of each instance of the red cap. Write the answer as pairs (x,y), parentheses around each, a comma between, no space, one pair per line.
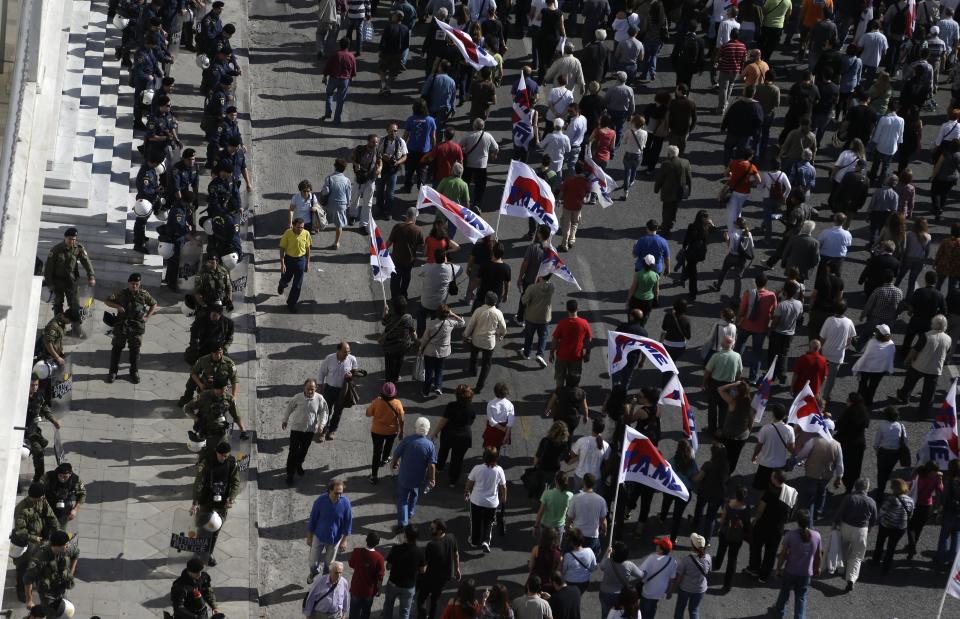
(663,542)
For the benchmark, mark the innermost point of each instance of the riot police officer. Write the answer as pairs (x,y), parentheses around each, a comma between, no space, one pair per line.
(230,128)
(161,132)
(51,570)
(220,191)
(234,157)
(185,181)
(213,284)
(214,108)
(37,410)
(215,489)
(135,306)
(166,89)
(175,230)
(210,28)
(33,523)
(226,236)
(220,66)
(53,334)
(192,592)
(143,76)
(209,413)
(62,270)
(148,188)
(210,330)
(64,492)
(208,369)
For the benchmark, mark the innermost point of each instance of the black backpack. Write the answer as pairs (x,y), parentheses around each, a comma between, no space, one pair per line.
(898,25)
(690,51)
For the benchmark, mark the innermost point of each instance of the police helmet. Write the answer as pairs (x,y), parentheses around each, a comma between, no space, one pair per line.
(44,368)
(165,250)
(207,224)
(195,442)
(213,523)
(143,207)
(230,260)
(203,61)
(64,609)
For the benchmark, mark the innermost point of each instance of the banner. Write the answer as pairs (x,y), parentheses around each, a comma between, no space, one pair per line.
(805,412)
(601,184)
(472,53)
(642,463)
(465,220)
(762,396)
(381,264)
(940,446)
(553,265)
(673,395)
(953,583)
(619,345)
(527,195)
(522,116)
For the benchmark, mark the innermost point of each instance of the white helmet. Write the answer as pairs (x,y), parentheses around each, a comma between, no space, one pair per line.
(143,207)
(230,260)
(203,61)
(120,22)
(160,170)
(161,214)
(186,311)
(66,609)
(207,225)
(24,453)
(165,250)
(17,551)
(147,97)
(194,442)
(44,369)
(214,523)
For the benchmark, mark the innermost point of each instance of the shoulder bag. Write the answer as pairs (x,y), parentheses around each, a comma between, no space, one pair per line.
(727,189)
(325,192)
(791,459)
(905,459)
(657,573)
(419,371)
(452,288)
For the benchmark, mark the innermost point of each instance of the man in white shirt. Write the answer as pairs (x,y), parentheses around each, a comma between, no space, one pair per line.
(728,25)
(568,65)
(588,513)
(336,369)
(478,147)
(576,131)
(775,444)
(837,334)
(886,137)
(557,145)
(873,46)
(558,100)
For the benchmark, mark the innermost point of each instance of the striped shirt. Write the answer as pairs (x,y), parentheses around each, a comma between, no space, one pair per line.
(896,512)
(732,55)
(357,9)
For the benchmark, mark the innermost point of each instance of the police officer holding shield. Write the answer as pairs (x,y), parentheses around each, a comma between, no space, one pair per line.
(210,412)
(207,370)
(215,489)
(64,492)
(38,409)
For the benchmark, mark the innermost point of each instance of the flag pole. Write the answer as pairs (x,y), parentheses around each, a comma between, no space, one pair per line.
(943,599)
(613,510)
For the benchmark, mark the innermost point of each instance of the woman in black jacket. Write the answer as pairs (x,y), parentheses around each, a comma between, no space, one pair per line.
(695,248)
(851,429)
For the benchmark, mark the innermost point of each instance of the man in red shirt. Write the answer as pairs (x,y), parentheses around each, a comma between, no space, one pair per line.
(444,155)
(367,564)
(570,345)
(756,312)
(811,366)
(573,191)
(340,69)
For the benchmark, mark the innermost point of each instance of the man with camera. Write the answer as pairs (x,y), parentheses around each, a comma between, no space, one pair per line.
(206,370)
(215,489)
(134,308)
(64,491)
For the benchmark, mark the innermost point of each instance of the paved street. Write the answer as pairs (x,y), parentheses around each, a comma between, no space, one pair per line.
(342,302)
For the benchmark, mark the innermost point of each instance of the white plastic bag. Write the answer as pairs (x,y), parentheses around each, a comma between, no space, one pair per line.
(366,30)
(419,369)
(835,553)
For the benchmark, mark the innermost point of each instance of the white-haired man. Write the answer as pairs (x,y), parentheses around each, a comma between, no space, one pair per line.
(674,182)
(568,65)
(329,597)
(479,147)
(925,361)
(415,461)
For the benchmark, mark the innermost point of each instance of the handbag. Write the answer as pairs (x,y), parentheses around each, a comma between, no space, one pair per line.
(325,192)
(726,190)
(366,30)
(453,289)
(905,459)
(419,369)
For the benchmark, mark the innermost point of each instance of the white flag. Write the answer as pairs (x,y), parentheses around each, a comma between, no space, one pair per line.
(381,264)
(806,413)
(643,463)
(762,396)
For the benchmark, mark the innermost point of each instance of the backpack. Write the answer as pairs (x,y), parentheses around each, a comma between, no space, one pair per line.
(898,25)
(689,51)
(743,247)
(776,190)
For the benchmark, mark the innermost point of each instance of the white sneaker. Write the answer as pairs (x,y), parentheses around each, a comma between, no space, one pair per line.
(485,546)
(541,361)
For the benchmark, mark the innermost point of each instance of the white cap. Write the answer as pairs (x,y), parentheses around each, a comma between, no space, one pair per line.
(882,329)
(558,123)
(934,31)
(649,259)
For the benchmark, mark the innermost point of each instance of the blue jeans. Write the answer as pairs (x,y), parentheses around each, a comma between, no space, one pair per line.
(630,68)
(295,268)
(617,119)
(339,86)
(360,607)
(433,373)
(529,329)
(392,593)
(631,162)
(648,70)
(756,349)
(607,602)
(815,496)
(949,537)
(386,186)
(353,25)
(799,585)
(683,600)
(406,505)
(648,608)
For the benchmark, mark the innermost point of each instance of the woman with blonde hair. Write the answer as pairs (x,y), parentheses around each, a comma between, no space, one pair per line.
(895,515)
(880,93)
(895,231)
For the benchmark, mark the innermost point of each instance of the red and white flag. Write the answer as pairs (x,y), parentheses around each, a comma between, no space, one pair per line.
(941,443)
(381,264)
(806,413)
(466,221)
(643,463)
(620,345)
(527,195)
(553,265)
(522,116)
(674,396)
(762,396)
(601,184)
(472,53)
(953,583)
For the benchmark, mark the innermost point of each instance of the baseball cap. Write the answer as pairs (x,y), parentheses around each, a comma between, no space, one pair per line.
(558,123)
(697,541)
(663,542)
(882,329)
(649,259)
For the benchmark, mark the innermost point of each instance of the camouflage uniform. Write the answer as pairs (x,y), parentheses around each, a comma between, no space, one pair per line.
(50,572)
(61,272)
(211,411)
(37,409)
(70,494)
(206,369)
(207,335)
(215,284)
(216,484)
(130,326)
(34,521)
(53,334)
(183,599)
